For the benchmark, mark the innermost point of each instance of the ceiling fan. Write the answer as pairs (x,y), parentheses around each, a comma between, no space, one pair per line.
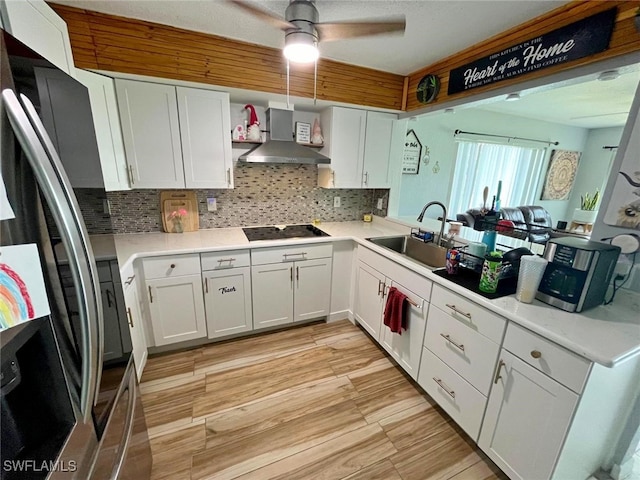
(303,30)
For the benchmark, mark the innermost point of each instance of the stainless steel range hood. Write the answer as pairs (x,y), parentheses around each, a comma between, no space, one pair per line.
(280,147)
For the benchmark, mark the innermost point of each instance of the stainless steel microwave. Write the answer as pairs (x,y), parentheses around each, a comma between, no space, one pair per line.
(578,273)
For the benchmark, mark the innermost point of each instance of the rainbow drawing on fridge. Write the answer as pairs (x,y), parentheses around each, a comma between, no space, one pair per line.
(15,301)
(22,291)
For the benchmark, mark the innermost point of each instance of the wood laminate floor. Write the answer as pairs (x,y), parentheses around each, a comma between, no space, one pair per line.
(320,401)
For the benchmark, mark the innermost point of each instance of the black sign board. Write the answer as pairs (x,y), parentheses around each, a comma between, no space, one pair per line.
(580,39)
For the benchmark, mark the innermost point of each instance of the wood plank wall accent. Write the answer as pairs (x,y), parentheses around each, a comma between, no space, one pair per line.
(119,44)
(624,39)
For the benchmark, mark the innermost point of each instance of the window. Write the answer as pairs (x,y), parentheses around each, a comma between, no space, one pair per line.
(484,164)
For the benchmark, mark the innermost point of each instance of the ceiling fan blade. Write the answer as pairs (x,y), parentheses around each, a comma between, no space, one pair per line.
(264,15)
(331,31)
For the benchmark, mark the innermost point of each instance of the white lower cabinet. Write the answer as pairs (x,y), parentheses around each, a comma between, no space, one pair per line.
(369,299)
(227,300)
(290,284)
(527,418)
(136,328)
(530,411)
(175,298)
(372,286)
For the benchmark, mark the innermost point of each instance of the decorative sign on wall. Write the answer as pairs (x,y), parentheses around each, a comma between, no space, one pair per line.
(560,175)
(412,153)
(580,39)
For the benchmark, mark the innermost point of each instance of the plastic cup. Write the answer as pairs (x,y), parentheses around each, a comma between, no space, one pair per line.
(531,270)
(478,251)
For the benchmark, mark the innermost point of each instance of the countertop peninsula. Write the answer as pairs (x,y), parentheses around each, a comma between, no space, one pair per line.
(607,335)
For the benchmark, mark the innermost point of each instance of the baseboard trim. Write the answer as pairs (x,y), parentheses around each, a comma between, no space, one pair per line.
(341,315)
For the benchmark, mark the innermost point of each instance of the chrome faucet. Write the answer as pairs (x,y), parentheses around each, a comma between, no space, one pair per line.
(444,217)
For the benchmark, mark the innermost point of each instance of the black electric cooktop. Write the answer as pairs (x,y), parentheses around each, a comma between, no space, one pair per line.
(281,233)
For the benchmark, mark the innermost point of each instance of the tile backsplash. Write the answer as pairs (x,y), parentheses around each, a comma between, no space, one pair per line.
(263,195)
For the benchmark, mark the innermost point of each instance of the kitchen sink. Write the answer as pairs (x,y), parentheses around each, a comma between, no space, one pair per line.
(428,254)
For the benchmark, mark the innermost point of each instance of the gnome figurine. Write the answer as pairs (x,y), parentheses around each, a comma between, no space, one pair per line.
(253,131)
(316,137)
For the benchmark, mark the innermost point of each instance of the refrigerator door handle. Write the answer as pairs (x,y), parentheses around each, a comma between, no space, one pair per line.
(55,187)
(128,428)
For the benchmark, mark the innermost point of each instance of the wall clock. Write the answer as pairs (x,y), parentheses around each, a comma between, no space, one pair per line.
(428,88)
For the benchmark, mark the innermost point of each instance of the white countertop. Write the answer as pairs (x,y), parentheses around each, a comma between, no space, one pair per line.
(607,335)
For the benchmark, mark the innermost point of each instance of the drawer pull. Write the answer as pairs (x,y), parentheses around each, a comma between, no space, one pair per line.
(536,354)
(230,260)
(173,265)
(455,309)
(301,254)
(451,393)
(448,339)
(130,317)
(129,280)
(498,377)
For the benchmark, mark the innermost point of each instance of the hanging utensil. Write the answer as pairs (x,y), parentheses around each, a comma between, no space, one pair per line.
(485,196)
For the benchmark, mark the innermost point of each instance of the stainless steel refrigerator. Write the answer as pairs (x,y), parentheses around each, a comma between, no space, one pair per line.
(68,409)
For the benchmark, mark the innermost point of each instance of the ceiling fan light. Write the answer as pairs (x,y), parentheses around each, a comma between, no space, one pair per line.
(301,53)
(301,47)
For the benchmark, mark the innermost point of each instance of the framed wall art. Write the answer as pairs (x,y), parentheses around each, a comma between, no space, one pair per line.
(560,175)
(412,153)
(303,132)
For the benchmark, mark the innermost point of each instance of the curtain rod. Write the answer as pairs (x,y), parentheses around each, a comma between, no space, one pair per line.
(610,147)
(457,132)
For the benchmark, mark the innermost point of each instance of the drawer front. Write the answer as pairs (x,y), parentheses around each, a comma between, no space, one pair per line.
(467,352)
(418,284)
(484,321)
(265,256)
(226,259)
(171,266)
(458,398)
(564,366)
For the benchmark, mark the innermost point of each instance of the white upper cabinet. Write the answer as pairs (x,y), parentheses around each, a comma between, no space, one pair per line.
(175,137)
(36,25)
(151,133)
(206,143)
(102,95)
(359,144)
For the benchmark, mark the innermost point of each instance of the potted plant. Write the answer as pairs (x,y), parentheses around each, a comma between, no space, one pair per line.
(587,211)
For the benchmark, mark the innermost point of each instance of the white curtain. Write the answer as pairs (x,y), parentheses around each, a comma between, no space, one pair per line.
(484,164)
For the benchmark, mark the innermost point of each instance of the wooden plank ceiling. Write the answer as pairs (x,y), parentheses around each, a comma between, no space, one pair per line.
(119,44)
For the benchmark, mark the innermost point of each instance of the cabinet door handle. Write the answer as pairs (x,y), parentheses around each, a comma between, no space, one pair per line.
(298,275)
(206,284)
(448,339)
(498,377)
(366,178)
(380,287)
(130,317)
(291,275)
(536,354)
(132,180)
(129,280)
(333,177)
(150,295)
(229,176)
(450,392)
(455,309)
(108,294)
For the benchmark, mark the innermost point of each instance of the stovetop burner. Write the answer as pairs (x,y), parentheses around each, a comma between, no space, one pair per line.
(280,233)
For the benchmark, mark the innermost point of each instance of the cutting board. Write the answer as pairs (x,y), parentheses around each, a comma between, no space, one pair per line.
(172,200)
